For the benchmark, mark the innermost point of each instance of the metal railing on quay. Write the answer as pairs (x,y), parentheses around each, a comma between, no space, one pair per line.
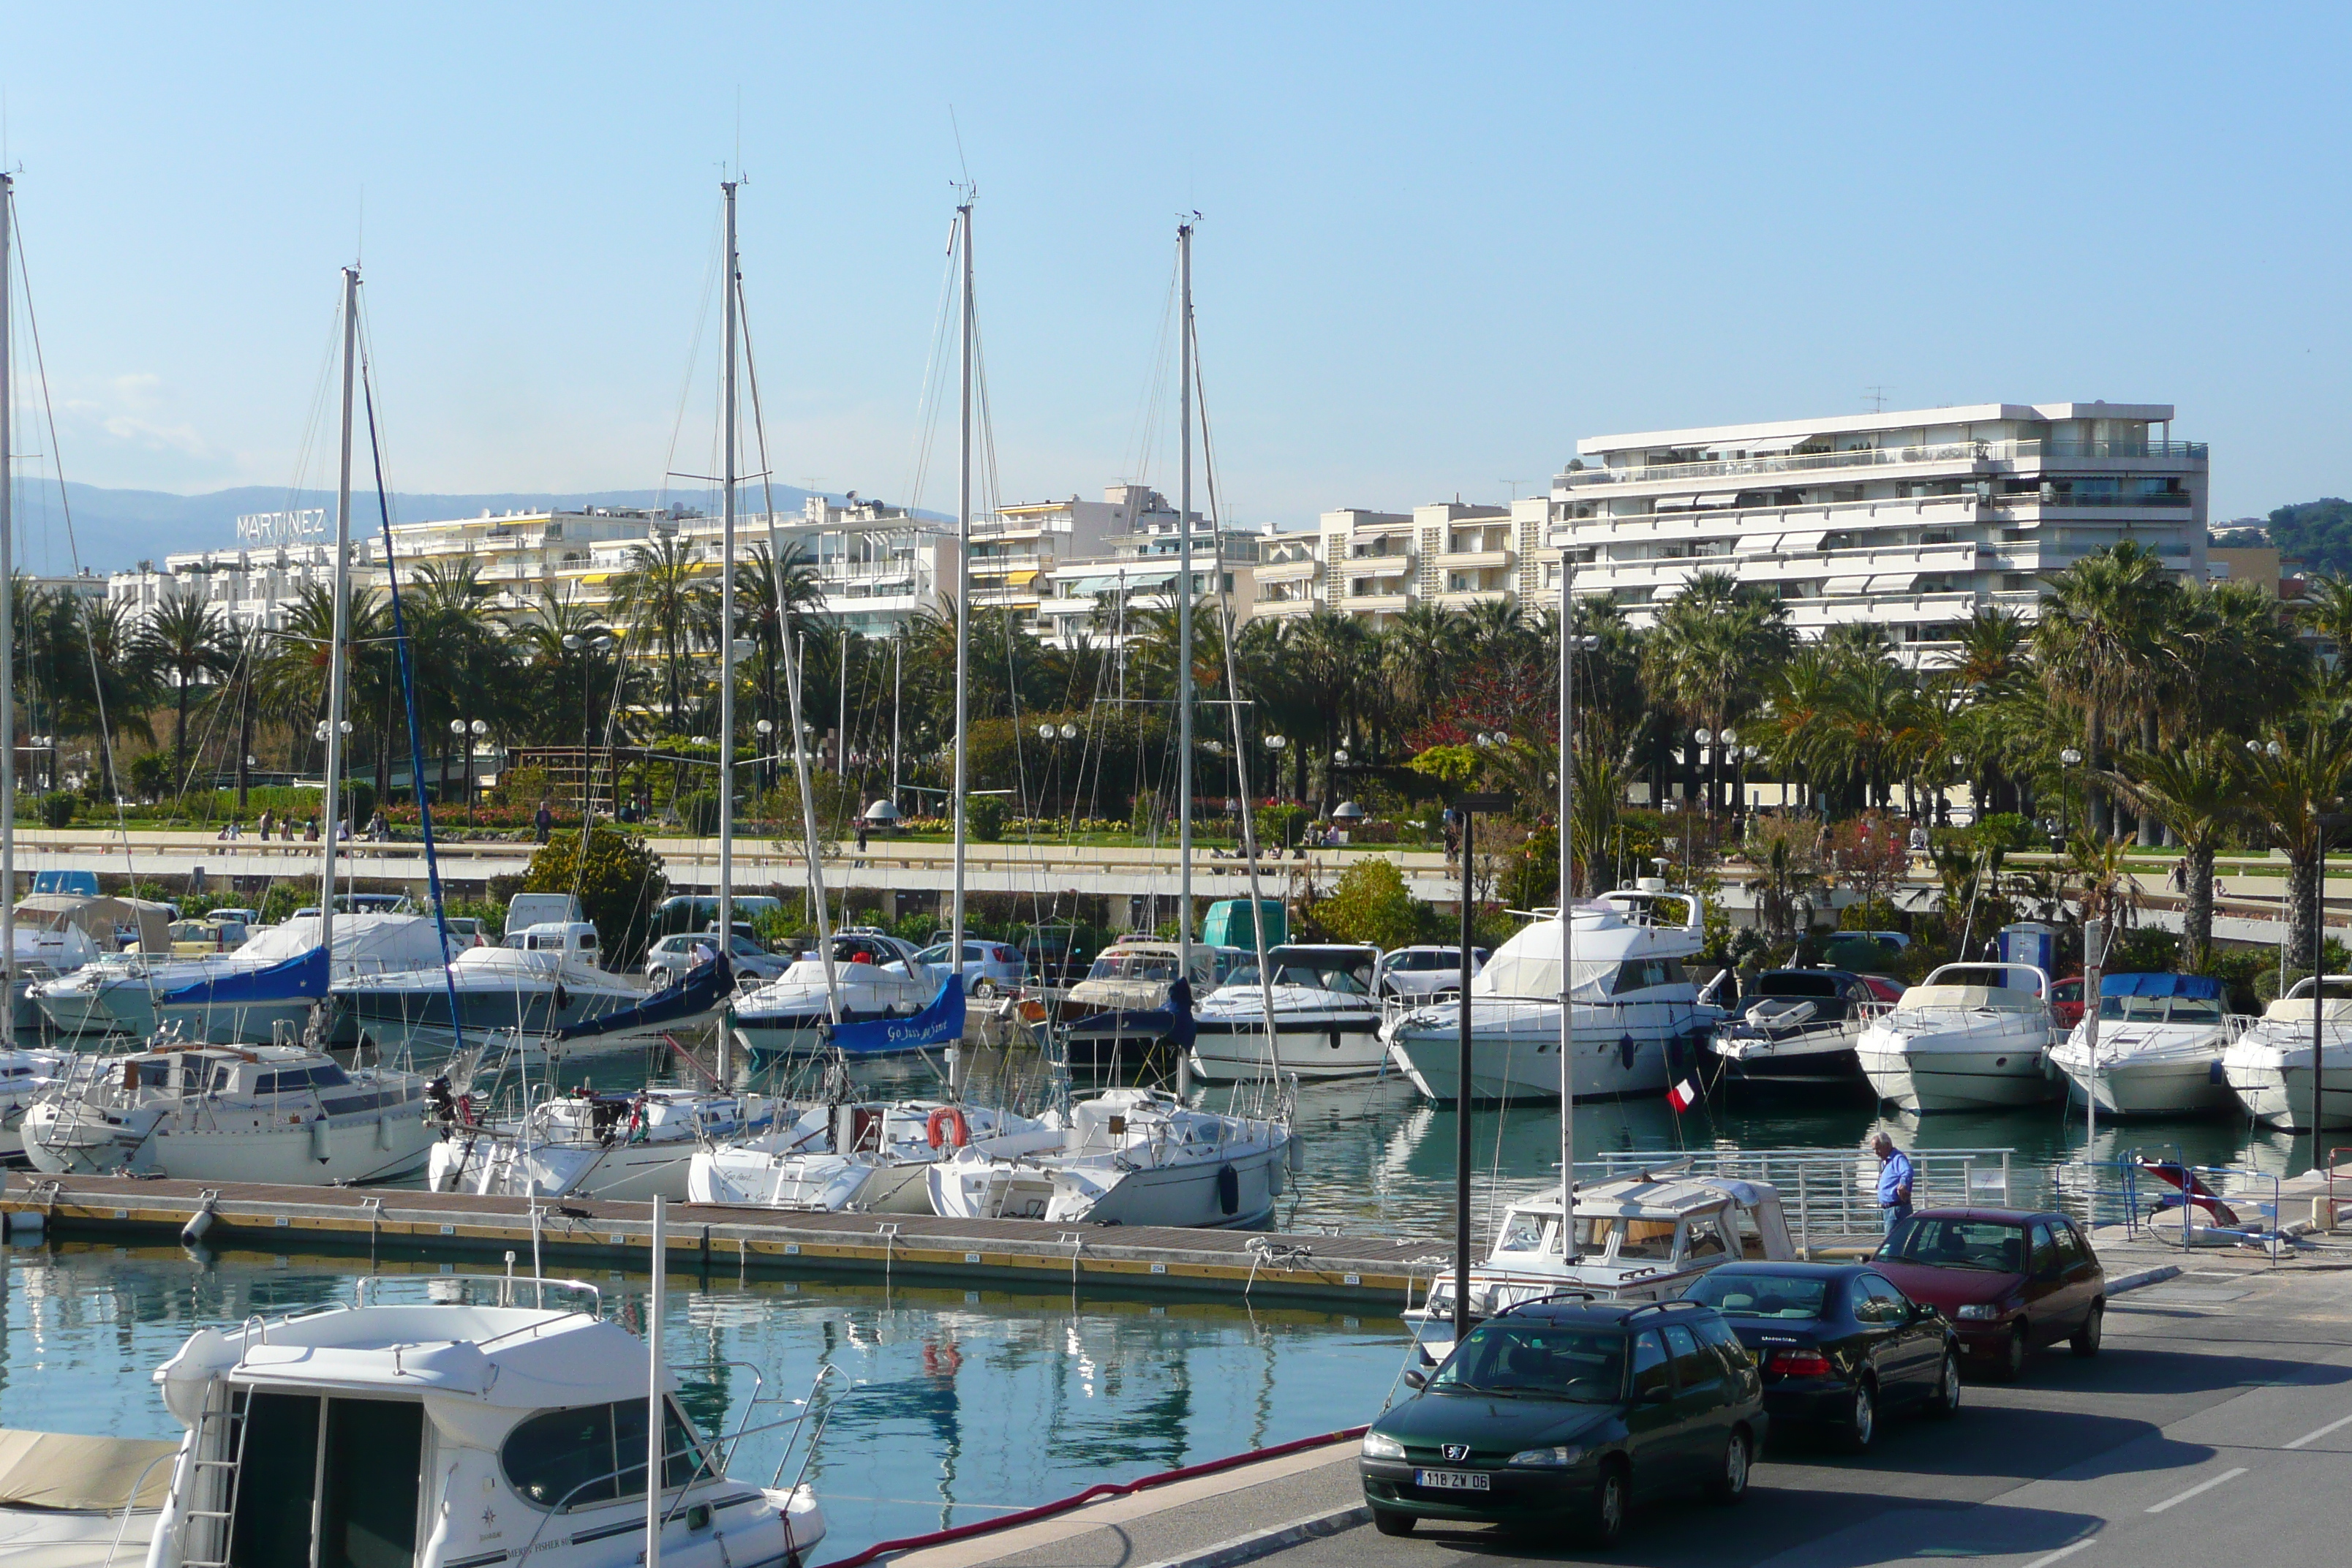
(2156,1196)
(1830,1197)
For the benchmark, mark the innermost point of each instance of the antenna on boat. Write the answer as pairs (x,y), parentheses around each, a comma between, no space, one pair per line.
(342,590)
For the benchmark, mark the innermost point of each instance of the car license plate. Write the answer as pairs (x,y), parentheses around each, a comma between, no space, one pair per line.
(1452,1480)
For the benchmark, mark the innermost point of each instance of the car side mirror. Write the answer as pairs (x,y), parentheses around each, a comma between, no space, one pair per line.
(1416,1379)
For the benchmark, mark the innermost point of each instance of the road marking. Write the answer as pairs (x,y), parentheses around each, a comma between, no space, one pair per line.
(2062,1552)
(2178,1498)
(2323,1431)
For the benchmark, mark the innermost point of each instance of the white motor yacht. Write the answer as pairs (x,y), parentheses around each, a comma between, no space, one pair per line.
(1326,1020)
(2268,1067)
(866,1158)
(449,1434)
(210,1113)
(2162,1038)
(1638,1238)
(544,977)
(1972,1035)
(1124,1156)
(1639,1024)
(1797,1032)
(876,975)
(634,1146)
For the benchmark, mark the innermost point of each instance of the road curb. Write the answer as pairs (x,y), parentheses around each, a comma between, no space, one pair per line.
(1265,1542)
(2132,1282)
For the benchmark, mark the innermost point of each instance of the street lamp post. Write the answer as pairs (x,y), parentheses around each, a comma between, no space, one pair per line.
(2071,758)
(1467,806)
(2327,822)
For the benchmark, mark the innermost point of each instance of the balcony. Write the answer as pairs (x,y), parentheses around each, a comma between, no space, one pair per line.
(1473,560)
(1969,452)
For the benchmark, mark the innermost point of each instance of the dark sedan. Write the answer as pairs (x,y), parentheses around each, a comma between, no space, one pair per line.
(1839,1344)
(2010,1281)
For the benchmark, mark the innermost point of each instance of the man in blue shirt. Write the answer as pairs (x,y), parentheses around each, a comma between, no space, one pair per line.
(1893,1180)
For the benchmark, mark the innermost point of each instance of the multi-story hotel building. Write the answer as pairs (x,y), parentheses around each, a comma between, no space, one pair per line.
(1906,521)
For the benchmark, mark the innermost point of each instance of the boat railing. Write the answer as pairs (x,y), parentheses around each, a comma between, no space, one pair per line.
(1968,1020)
(368,1291)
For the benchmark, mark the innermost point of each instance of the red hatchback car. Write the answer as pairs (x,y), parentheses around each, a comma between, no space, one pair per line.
(2067,1002)
(2010,1281)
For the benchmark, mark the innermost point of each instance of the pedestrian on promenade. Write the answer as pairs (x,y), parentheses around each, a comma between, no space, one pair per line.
(1894,1180)
(544,820)
(267,819)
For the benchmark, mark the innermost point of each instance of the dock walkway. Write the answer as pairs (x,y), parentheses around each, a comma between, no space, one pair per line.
(1347,1271)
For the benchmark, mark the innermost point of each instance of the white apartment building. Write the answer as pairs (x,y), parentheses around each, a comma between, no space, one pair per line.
(1907,520)
(1095,599)
(1377,564)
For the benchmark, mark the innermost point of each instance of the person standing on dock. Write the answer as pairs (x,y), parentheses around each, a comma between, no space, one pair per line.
(1893,1180)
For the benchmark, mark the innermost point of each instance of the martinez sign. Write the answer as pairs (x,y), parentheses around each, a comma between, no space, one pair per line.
(282,527)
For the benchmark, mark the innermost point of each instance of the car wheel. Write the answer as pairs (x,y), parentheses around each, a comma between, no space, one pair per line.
(1862,1423)
(1389,1521)
(1730,1482)
(2012,1354)
(1604,1511)
(2086,1342)
(1946,1400)
(985,988)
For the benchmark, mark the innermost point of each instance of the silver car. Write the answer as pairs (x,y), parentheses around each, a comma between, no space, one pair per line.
(1418,974)
(989,967)
(667,959)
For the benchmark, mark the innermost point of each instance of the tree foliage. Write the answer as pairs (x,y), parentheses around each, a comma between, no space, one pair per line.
(618,885)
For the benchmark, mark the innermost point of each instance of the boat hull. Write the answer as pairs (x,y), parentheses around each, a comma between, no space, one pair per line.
(373,1146)
(1638,1050)
(1192,1194)
(1336,1047)
(2175,1087)
(1970,1078)
(2278,1093)
(243,1023)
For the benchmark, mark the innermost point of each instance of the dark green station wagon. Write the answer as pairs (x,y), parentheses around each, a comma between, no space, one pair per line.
(1562,1414)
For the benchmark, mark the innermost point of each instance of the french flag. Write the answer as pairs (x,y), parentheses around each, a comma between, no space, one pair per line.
(1682,1096)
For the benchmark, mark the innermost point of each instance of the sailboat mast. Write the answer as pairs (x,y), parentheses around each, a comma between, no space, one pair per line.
(963,628)
(1184,635)
(1567,903)
(7,649)
(726,616)
(342,589)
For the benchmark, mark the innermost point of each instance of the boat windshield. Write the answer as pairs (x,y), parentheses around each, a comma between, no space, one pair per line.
(2161,1009)
(1348,974)
(1643,1240)
(1525,1233)
(1545,1360)
(1736,1294)
(1161,966)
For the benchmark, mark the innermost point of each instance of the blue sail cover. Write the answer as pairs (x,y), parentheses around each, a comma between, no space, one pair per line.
(941,1024)
(302,977)
(2200,987)
(705,987)
(1173,1023)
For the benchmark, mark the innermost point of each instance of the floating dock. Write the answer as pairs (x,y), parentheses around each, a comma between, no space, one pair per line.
(1344,1271)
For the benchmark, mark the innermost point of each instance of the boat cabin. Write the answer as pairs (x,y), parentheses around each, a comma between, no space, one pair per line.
(567,937)
(441,1434)
(258,1072)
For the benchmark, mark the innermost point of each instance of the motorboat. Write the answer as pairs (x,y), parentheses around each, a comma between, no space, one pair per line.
(72,1501)
(24,1074)
(2161,1040)
(1639,1024)
(874,976)
(1326,1019)
(1131,1005)
(448,1433)
(544,977)
(269,984)
(2269,1065)
(1124,1156)
(210,1113)
(61,933)
(1797,1031)
(635,1146)
(1971,1035)
(868,1157)
(1642,1237)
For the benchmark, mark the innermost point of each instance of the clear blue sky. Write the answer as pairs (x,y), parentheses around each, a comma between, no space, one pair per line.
(1438,244)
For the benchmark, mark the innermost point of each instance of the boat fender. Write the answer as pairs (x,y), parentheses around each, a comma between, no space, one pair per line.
(563,998)
(1275,1178)
(1229,1190)
(319,1137)
(1295,1148)
(950,1117)
(23,1224)
(1625,1052)
(199,1224)
(384,1130)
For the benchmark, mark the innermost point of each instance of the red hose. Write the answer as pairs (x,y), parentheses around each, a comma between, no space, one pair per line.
(1108,1488)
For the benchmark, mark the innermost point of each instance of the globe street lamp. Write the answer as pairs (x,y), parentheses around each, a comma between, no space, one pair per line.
(2072,758)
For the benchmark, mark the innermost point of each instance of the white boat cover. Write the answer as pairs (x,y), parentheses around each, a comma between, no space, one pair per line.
(66,1470)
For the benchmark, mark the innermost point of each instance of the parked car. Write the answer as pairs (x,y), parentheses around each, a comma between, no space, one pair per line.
(668,960)
(1561,1411)
(466,931)
(2011,1281)
(2067,1002)
(989,967)
(1417,974)
(198,939)
(1839,1344)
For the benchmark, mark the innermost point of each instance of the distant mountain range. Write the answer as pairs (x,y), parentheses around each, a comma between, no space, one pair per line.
(115,530)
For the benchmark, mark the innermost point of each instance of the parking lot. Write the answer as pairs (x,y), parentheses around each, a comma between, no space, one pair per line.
(2216,1427)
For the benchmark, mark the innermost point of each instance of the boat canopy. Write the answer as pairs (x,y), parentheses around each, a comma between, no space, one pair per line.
(101,918)
(2198,987)
(66,1470)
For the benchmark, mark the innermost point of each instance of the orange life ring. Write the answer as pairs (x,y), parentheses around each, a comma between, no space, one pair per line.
(952,1118)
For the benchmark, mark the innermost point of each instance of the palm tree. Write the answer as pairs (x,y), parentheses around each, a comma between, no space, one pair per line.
(294,675)
(240,692)
(186,639)
(1713,650)
(2196,792)
(107,681)
(2291,780)
(659,599)
(2102,646)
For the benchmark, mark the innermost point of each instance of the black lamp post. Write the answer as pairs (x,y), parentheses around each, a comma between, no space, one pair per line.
(2327,822)
(1469,805)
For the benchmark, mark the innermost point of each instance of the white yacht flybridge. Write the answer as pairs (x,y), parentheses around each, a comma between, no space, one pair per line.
(1638,1020)
(449,1434)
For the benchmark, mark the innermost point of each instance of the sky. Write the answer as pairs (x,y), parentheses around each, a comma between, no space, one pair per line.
(1437,244)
